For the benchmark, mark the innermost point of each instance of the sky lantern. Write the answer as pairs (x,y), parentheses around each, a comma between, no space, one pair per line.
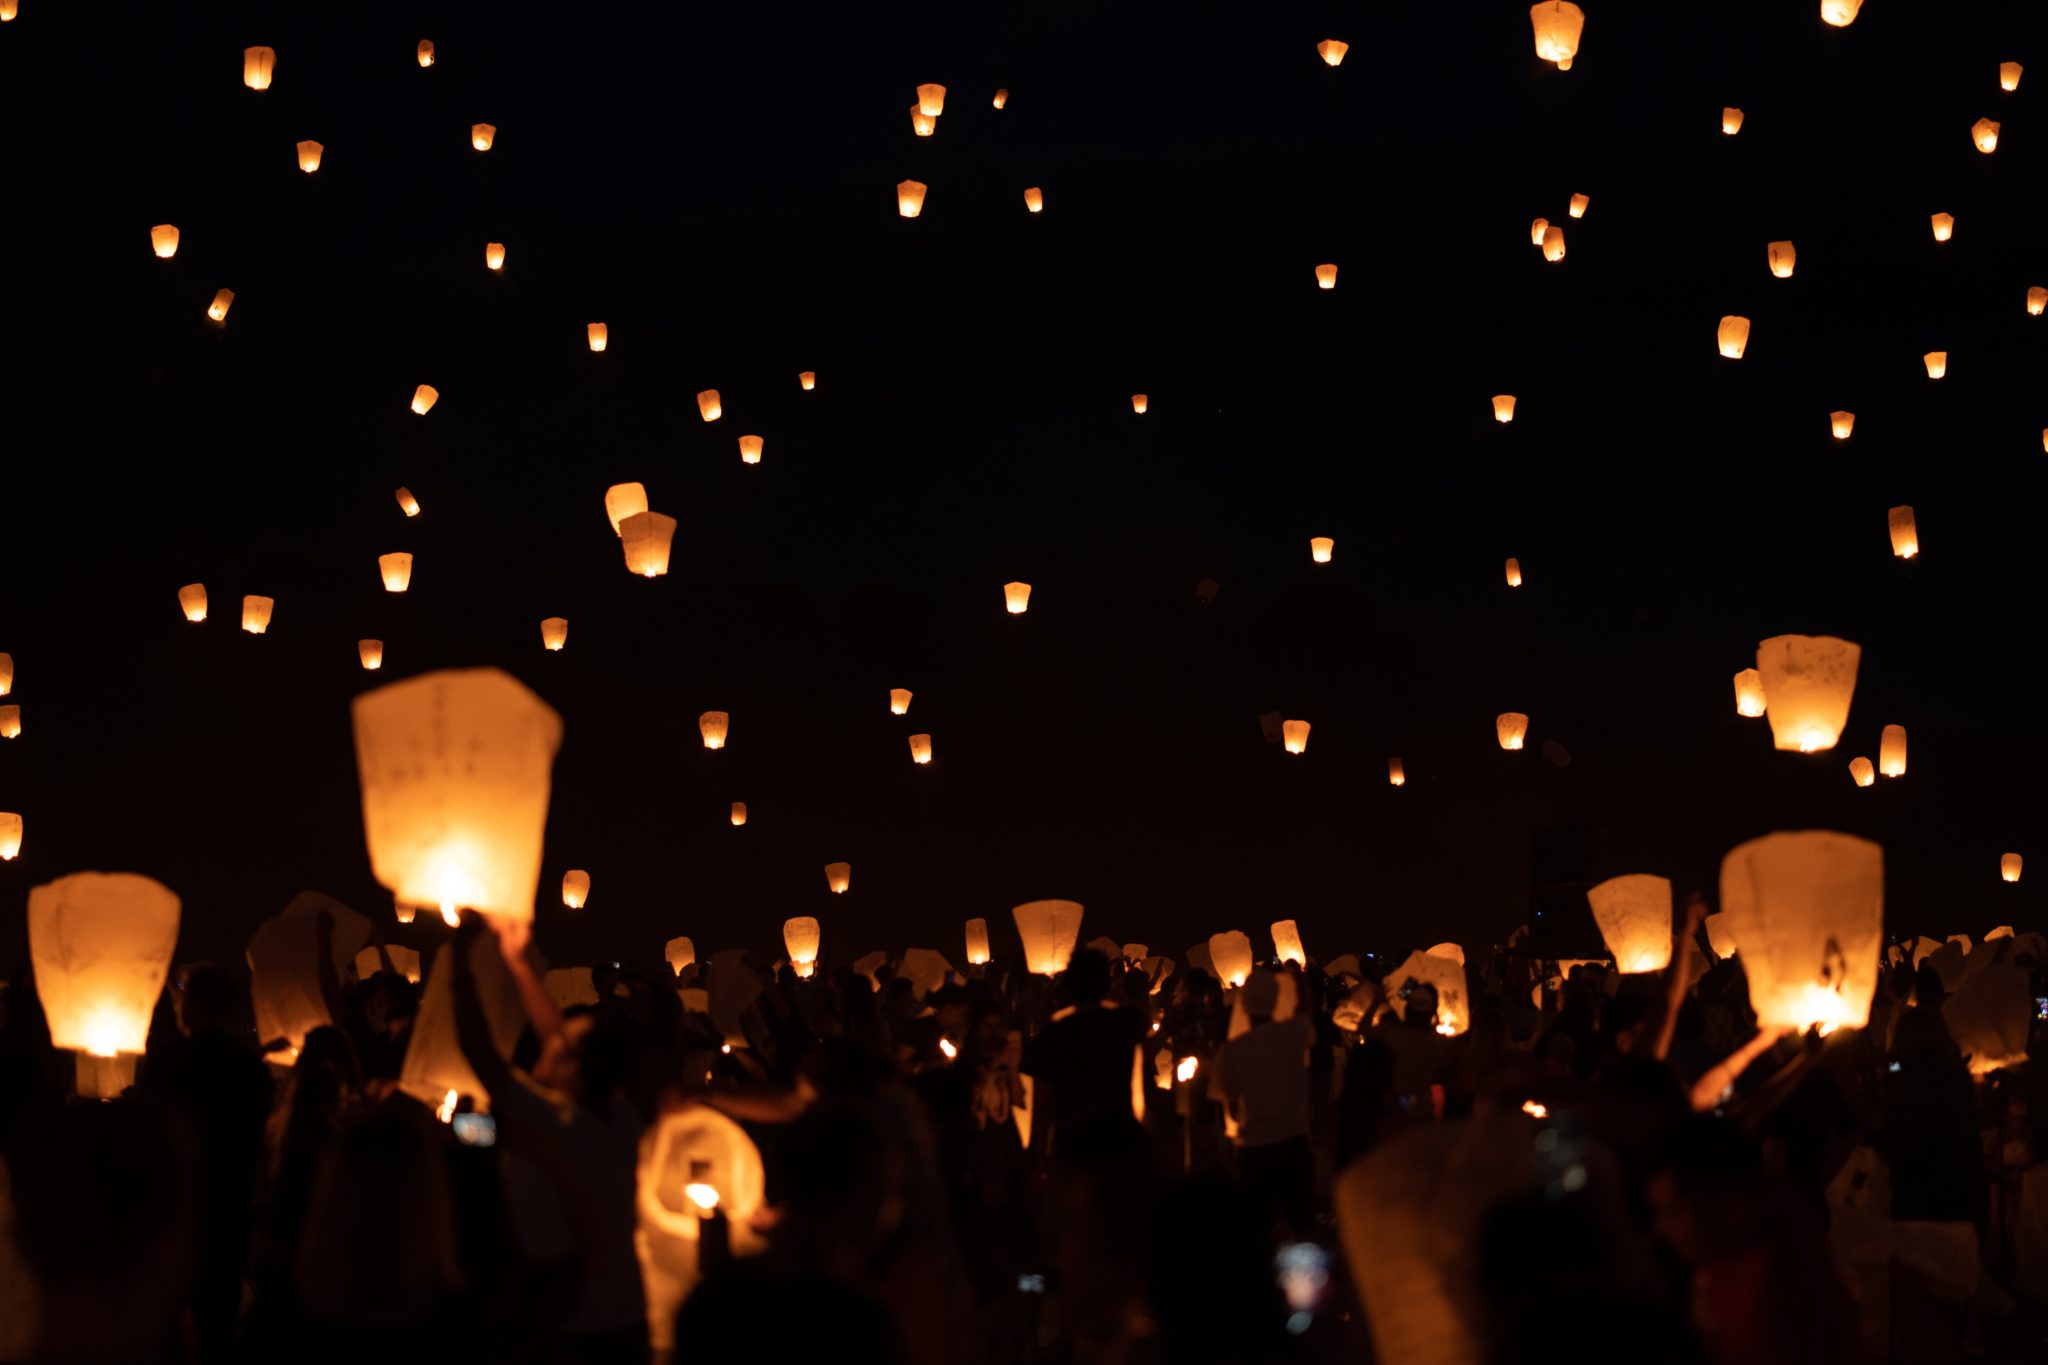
(1332,52)
(407,503)
(1002,98)
(838,877)
(371,653)
(1511,728)
(494,255)
(1782,257)
(256,613)
(1326,277)
(909,198)
(1319,548)
(426,52)
(1984,133)
(1034,200)
(2009,864)
(455,769)
(1139,402)
(10,836)
(1862,772)
(623,500)
(287,957)
(600,335)
(192,597)
(1397,776)
(1749,693)
(1809,680)
(1513,572)
(921,123)
(1719,936)
(1841,424)
(224,299)
(258,63)
(1537,227)
(1891,752)
(1230,952)
(807,380)
(646,537)
(482,135)
(1839,13)
(554,632)
(1049,930)
(932,99)
(101,944)
(575,888)
(10,722)
(1944,225)
(1578,206)
(1733,336)
(1936,363)
(1286,942)
(395,957)
(920,749)
(1633,914)
(1443,973)
(1731,120)
(1503,407)
(739,813)
(800,936)
(6,674)
(713,726)
(424,397)
(163,240)
(1558,24)
(2037,299)
(1808,909)
(2009,75)
(1294,736)
(977,942)
(708,406)
(1016,598)
(1905,535)
(1553,243)
(309,156)
(680,952)
(899,701)
(750,449)
(396,570)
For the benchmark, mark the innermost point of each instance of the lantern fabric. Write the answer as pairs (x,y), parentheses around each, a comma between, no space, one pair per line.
(1936,363)
(1944,226)
(256,614)
(800,938)
(708,405)
(1294,736)
(1558,24)
(225,299)
(1861,772)
(1503,407)
(909,198)
(309,156)
(1446,975)
(1002,98)
(1734,336)
(680,953)
(554,632)
(455,770)
(1553,243)
(1810,680)
(1891,752)
(2009,75)
(1841,424)
(1286,943)
(1034,200)
(1989,1013)
(920,749)
(494,255)
(2037,299)
(1397,776)
(1905,534)
(738,813)
(6,674)
(482,135)
(1330,50)
(424,397)
(388,957)
(1839,13)
(838,877)
(931,99)
(921,123)
(434,1064)
(1016,598)
(1049,930)
(1807,906)
(2009,865)
(1579,204)
(695,1162)
(1782,257)
(396,571)
(1984,135)
(599,335)
(101,945)
(977,942)
(258,65)
(10,722)
(575,888)
(1720,937)
(371,652)
(1326,277)
(1633,914)
(1749,693)
(624,500)
(1511,728)
(426,58)
(407,503)
(1230,952)
(807,380)
(1513,572)
(1319,548)
(163,240)
(645,537)
(10,835)
(1731,120)
(1139,402)
(713,726)
(288,957)
(750,449)
(192,598)
(1537,228)
(899,701)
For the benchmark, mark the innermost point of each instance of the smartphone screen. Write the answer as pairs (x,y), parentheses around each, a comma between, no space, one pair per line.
(1302,1270)
(476,1130)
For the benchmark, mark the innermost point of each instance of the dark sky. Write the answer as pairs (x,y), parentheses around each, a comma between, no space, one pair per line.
(716,183)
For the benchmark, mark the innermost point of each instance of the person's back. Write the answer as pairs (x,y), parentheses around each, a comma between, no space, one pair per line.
(1086,1058)
(1262,1075)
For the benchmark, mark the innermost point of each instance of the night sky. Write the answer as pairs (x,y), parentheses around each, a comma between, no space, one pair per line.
(716,184)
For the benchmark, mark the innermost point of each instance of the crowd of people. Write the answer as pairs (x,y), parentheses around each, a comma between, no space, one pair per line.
(1118,1165)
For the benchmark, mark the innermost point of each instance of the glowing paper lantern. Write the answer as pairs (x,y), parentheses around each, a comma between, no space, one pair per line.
(371,652)
(838,877)
(1049,930)
(424,397)
(1330,50)
(1295,736)
(1002,98)
(192,597)
(1511,727)
(575,889)
(1720,937)
(1514,573)
(899,701)
(977,942)
(309,156)
(1808,909)
(1578,206)
(426,56)
(1397,776)
(680,952)
(1749,693)
(482,135)
(739,813)
(1503,407)
(1841,424)
(1633,914)
(600,335)
(2037,299)
(1809,680)
(10,722)
(1734,336)
(1139,402)
(101,944)
(2009,864)
(920,749)
(2009,75)
(1861,772)
(1936,363)
(800,937)
(1944,226)
(1319,548)
(624,500)
(6,674)
(1536,230)
(932,99)
(713,726)
(1984,133)
(1558,24)
(750,449)
(392,957)
(921,123)
(494,255)
(1891,752)
(1782,257)
(396,570)
(1326,277)
(646,537)
(1446,975)
(223,300)
(1034,200)
(1231,952)
(909,198)
(10,836)
(163,240)
(407,503)
(1553,243)
(708,406)
(257,65)
(1016,598)
(554,632)
(455,767)
(807,380)
(1731,121)
(1839,13)
(1905,535)
(1286,943)
(10,10)
(256,614)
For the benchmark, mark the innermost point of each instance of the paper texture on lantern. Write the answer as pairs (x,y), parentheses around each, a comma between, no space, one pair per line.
(434,1064)
(396,571)
(101,945)
(1578,207)
(977,942)
(482,135)
(1807,906)
(1453,951)
(2009,75)
(1445,974)
(424,397)
(750,449)
(1049,930)
(909,198)
(1720,935)
(1231,952)
(1783,256)
(1329,49)
(1139,402)
(800,938)
(258,65)
(926,969)
(1511,728)
(1905,534)
(1861,772)
(931,99)
(1984,135)
(920,749)
(455,769)
(163,240)
(1809,681)
(285,957)
(1286,942)
(624,500)
(693,1149)
(1558,24)
(1633,914)
(838,877)
(899,701)
(256,613)
(575,889)
(708,405)
(2009,865)
(309,156)
(1294,736)
(1733,336)
(388,957)
(224,299)
(1839,13)
(192,598)
(1553,243)
(646,538)
(554,632)
(1749,693)
(599,335)
(571,986)
(713,727)
(1841,423)
(10,835)
(1989,1014)
(680,953)
(1503,407)
(1891,752)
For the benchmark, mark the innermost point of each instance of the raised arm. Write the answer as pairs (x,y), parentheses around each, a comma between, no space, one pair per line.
(1683,930)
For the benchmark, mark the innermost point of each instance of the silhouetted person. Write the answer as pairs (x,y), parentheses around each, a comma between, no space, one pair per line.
(1262,1075)
(1081,1064)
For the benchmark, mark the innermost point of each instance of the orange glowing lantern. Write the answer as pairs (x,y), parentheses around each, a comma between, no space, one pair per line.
(163,240)
(2009,864)
(1734,336)
(646,537)
(1286,943)
(1397,776)
(932,99)
(6,674)
(1139,403)
(624,500)
(1731,120)
(10,722)
(192,597)
(708,406)
(800,937)
(494,255)
(1049,930)
(1332,52)
(554,632)
(10,836)
(225,299)
(1016,598)
(575,889)
(1034,200)
(680,952)
(1578,206)
(920,749)
(258,63)
(1513,571)
(1558,24)
(1891,752)
(1782,256)
(1936,363)
(426,52)
(1537,228)
(1553,243)
(407,503)
(1862,772)
(309,156)
(482,135)
(256,614)
(1810,680)
(909,198)
(1503,407)
(750,449)
(738,813)
(371,653)
(807,380)
(1511,728)
(1839,13)
(1002,98)
(1633,914)
(2037,299)
(1807,908)
(1326,277)
(838,877)
(1230,952)
(424,397)
(2009,75)
(101,945)
(1294,736)
(1319,548)
(1905,535)
(977,943)
(899,701)
(600,336)
(1984,133)
(1841,424)
(1749,693)
(396,570)
(921,123)
(1944,226)
(713,727)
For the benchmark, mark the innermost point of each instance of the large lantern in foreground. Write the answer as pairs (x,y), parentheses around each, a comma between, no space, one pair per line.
(192,597)
(800,938)
(1511,728)
(455,769)
(1808,909)
(1749,693)
(1049,930)
(1809,680)
(977,942)
(1558,24)
(258,63)
(1633,914)
(101,943)
(838,877)
(646,537)
(1891,752)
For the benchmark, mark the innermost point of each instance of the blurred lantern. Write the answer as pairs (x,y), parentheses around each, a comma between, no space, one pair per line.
(800,940)
(1329,49)
(1016,598)
(1839,13)
(1206,590)
(909,198)
(899,701)
(575,889)
(424,397)
(1558,24)
(10,10)
(482,135)
(1579,205)
(1809,681)
(1294,736)
(1553,243)
(932,99)
(1049,930)
(1808,909)
(921,123)
(1905,535)
(1139,403)
(750,449)
(256,613)
(101,945)
(10,722)
(192,597)
(10,836)
(6,674)
(407,503)
(1326,277)
(1286,943)
(396,569)
(371,652)
(1862,772)
(624,500)
(1731,120)
(404,913)
(426,52)
(1537,228)
(1984,132)
(646,538)
(1944,226)
(1782,257)
(1503,407)
(838,876)
(554,632)
(1720,937)
(1034,199)
(599,334)
(454,768)
(708,406)
(1397,776)
(388,957)
(739,813)
(2009,75)
(1514,573)
(920,749)
(1231,954)
(1749,693)
(1445,975)
(807,380)
(680,953)
(1002,98)
(1936,363)
(977,942)
(2009,864)
(1734,336)
(494,255)
(1512,727)
(713,725)
(1891,752)
(2037,299)
(225,299)
(1319,548)
(1841,423)
(257,65)
(163,240)
(309,156)
(1633,914)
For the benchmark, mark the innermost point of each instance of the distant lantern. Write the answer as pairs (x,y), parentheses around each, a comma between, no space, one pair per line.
(646,538)
(424,397)
(10,722)
(407,503)
(909,198)
(1319,548)
(1731,120)
(494,255)
(1719,937)
(309,156)
(899,701)
(800,937)
(455,769)
(1034,200)
(1578,206)
(600,335)
(750,449)
(10,836)
(1503,407)
(192,597)
(1891,752)
(396,570)
(807,380)
(1514,573)
(482,135)
(738,813)
(1294,736)
(426,52)
(371,652)
(1839,13)
(1984,132)
(1749,693)
(1332,52)
(256,613)
(163,240)
(1782,257)
(575,889)
(1326,277)
(2037,299)
(101,946)
(1936,363)
(1049,930)
(257,65)
(1944,225)
(920,749)
(1841,423)
(1511,727)
(225,299)
(921,123)
(1002,98)
(1537,227)
(1862,771)
(6,674)
(1905,535)
(623,500)
(932,99)
(1734,336)
(1809,681)
(1553,243)
(708,405)
(1807,908)
(554,632)
(1397,776)
(2009,864)
(1230,952)
(1139,403)
(680,952)
(713,726)
(1558,24)
(1016,598)
(977,942)
(2009,75)
(838,876)
(1633,914)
